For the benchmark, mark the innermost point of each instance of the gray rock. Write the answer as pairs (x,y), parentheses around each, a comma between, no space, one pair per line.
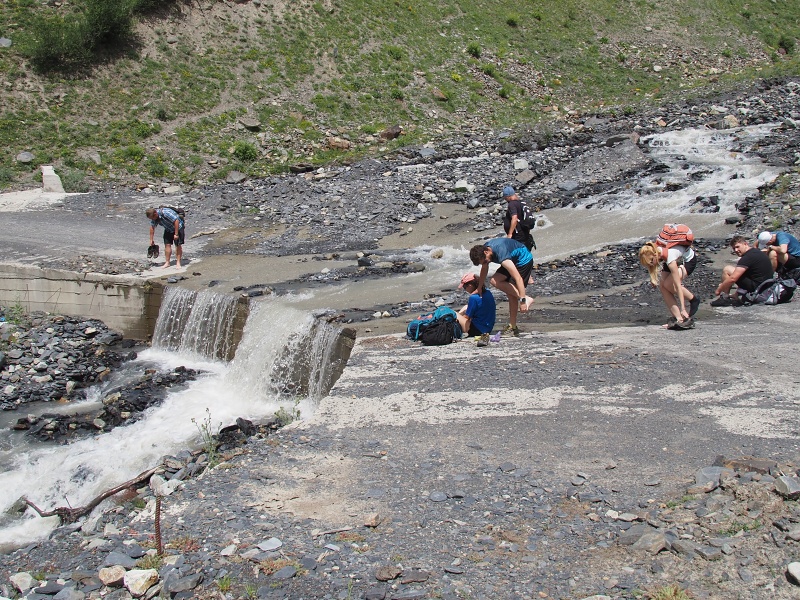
(793,569)
(684,547)
(712,475)
(437,497)
(709,552)
(5,42)
(69,593)
(235,177)
(285,573)
(184,584)
(632,535)
(375,593)
(568,186)
(118,558)
(652,543)
(25,157)
(745,575)
(788,487)
(271,544)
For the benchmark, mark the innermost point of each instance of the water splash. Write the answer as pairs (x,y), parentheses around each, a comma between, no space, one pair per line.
(200,323)
(250,386)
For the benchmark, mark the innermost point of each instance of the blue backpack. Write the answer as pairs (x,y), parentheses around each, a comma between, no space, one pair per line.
(443,314)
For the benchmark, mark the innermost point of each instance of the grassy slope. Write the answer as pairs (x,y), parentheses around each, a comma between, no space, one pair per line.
(161,109)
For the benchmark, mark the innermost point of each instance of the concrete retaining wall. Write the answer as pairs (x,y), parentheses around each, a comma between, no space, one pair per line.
(127,304)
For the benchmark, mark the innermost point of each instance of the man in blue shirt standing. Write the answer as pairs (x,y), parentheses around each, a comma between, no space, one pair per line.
(516,264)
(173,231)
(782,248)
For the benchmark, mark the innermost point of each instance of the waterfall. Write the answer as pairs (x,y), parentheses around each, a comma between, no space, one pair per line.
(196,322)
(285,355)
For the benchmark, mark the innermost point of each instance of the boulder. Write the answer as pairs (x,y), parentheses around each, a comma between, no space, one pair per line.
(112,576)
(138,581)
(23,581)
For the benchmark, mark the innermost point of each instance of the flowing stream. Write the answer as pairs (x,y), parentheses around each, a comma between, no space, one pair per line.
(253,385)
(281,338)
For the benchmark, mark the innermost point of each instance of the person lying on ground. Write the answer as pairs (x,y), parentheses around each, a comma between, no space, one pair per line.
(174,232)
(782,248)
(516,264)
(753,268)
(678,263)
(477,317)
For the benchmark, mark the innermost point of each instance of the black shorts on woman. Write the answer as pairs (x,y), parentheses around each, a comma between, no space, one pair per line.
(689,265)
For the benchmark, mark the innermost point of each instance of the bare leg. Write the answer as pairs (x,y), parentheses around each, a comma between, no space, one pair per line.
(513,302)
(167,255)
(669,294)
(773,258)
(178,254)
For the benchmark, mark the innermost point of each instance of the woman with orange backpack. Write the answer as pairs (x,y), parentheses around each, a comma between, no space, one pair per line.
(673,249)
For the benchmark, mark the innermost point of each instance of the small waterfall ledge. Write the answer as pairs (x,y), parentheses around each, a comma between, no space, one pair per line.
(273,348)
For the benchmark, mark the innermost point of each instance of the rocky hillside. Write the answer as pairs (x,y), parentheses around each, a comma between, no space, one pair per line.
(210,87)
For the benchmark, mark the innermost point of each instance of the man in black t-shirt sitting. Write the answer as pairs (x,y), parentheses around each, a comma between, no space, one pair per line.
(753,268)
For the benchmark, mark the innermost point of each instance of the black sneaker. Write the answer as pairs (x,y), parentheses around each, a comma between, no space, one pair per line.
(722,301)
(694,304)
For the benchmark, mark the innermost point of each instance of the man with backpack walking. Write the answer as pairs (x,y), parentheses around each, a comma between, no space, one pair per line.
(516,222)
(174,231)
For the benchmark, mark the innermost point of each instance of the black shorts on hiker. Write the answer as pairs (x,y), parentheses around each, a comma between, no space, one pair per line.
(689,265)
(169,237)
(793,262)
(746,284)
(473,331)
(524,272)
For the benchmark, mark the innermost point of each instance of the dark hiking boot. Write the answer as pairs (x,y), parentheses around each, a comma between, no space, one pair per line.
(694,304)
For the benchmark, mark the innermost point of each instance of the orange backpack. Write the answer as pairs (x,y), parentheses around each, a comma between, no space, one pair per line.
(674,234)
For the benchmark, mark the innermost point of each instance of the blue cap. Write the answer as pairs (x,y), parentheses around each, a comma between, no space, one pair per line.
(508,191)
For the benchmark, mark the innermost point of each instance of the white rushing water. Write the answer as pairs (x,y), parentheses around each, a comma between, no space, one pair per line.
(56,476)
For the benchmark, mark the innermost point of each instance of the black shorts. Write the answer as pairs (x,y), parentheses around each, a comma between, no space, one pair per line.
(169,237)
(747,284)
(473,331)
(524,272)
(689,265)
(793,262)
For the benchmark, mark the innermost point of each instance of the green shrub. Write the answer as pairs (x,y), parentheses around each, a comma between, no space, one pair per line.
(512,20)
(490,70)
(74,181)
(395,52)
(505,92)
(474,49)
(396,94)
(56,43)
(157,165)
(6,175)
(132,153)
(108,22)
(245,151)
(787,43)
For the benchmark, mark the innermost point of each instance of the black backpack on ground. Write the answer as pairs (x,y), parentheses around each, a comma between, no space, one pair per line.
(439,333)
